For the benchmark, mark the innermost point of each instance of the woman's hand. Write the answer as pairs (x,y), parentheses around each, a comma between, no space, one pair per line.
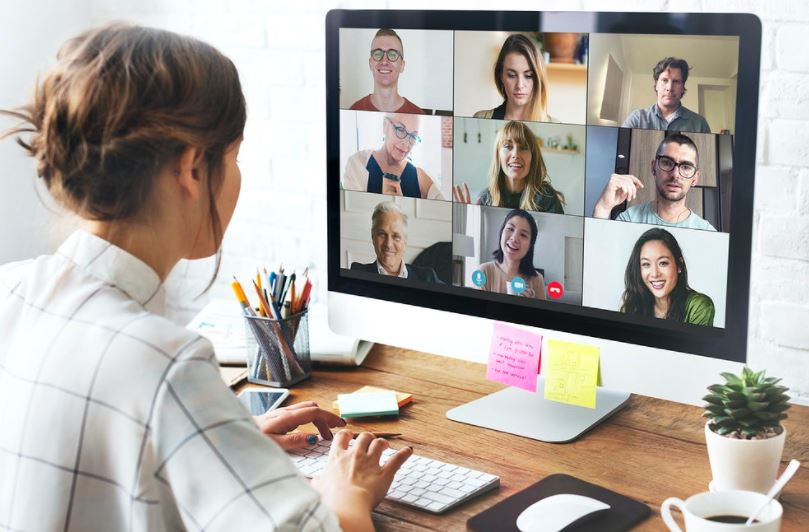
(528,292)
(353,482)
(461,194)
(391,187)
(277,423)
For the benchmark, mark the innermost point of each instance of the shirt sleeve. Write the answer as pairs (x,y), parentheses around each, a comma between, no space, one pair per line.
(632,120)
(356,174)
(223,473)
(699,310)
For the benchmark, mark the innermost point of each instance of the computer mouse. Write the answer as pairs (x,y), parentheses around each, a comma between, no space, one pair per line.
(558,512)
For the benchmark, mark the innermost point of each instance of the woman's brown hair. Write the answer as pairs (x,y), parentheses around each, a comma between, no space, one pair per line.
(121,103)
(520,44)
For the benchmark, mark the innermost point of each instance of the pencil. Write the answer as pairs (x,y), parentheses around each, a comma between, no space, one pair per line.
(379,434)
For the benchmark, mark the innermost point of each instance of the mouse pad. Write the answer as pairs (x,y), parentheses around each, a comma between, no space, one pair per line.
(624,513)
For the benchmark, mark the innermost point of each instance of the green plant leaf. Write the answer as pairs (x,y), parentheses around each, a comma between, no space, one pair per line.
(736,396)
(730,378)
(737,412)
(712,399)
(757,406)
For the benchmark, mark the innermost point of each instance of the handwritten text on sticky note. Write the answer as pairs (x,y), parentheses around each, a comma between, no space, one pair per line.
(514,357)
(571,373)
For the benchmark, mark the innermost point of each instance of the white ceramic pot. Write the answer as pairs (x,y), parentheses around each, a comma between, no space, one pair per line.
(750,465)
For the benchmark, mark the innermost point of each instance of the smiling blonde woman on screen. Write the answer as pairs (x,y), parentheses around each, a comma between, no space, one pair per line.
(115,418)
(520,78)
(518,177)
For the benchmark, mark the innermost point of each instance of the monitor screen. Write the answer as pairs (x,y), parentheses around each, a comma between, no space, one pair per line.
(590,173)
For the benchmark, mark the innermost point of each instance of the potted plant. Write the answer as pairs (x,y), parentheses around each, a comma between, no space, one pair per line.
(744,435)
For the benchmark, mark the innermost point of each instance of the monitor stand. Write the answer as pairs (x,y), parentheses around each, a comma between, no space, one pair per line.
(529,414)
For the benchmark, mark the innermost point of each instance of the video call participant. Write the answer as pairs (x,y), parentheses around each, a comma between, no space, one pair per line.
(675,169)
(387,170)
(389,237)
(518,177)
(386,64)
(137,132)
(514,257)
(519,75)
(668,113)
(656,281)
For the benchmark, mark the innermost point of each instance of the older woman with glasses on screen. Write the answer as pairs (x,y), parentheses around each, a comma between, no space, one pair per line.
(387,170)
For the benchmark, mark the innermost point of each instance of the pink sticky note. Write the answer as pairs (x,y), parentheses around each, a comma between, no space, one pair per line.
(514,357)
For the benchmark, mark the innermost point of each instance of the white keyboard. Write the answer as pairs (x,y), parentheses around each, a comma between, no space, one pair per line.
(423,483)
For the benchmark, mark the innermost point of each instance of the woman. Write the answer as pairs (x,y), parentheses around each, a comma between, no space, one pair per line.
(519,75)
(387,170)
(514,258)
(119,418)
(656,282)
(518,178)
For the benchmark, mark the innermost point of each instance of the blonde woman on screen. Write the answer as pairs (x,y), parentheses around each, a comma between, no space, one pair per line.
(114,417)
(520,78)
(518,177)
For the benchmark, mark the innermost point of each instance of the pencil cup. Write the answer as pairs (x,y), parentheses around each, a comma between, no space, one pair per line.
(278,350)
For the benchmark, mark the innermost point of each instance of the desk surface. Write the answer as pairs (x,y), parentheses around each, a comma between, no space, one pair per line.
(649,451)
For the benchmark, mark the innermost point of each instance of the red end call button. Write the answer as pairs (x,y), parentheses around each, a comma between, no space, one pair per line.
(555,290)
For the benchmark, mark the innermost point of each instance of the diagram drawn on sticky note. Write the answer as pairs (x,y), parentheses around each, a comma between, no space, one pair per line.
(571,373)
(514,357)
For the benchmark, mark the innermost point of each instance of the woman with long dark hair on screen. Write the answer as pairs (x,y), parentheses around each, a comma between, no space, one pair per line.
(514,257)
(518,177)
(656,282)
(114,417)
(520,78)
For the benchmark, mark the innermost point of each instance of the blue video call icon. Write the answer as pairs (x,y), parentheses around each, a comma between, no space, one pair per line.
(478,278)
(518,285)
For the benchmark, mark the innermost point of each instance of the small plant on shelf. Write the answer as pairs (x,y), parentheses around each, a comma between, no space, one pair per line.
(747,406)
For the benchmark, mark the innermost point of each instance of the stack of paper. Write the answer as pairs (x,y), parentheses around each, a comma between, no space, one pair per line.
(367,404)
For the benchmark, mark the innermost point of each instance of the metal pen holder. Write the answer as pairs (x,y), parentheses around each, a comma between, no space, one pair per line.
(278,350)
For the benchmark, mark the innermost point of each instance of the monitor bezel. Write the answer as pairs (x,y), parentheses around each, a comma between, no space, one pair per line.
(730,342)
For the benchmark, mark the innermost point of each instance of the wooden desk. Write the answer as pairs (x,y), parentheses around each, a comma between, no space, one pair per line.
(651,450)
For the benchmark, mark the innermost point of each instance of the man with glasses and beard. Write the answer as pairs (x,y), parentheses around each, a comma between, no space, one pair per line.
(386,63)
(675,168)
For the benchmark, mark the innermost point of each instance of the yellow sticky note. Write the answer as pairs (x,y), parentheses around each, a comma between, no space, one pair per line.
(571,373)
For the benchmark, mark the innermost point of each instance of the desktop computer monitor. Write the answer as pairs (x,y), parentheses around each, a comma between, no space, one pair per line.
(587,174)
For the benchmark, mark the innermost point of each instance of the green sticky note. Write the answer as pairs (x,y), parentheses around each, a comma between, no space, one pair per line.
(571,373)
(368,404)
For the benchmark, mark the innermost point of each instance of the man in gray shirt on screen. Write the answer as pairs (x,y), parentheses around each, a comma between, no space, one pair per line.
(675,168)
(668,113)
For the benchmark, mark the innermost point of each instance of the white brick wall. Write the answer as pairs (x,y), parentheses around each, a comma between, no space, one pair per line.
(279,50)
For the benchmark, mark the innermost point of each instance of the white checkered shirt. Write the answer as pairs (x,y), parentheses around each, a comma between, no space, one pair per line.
(114,418)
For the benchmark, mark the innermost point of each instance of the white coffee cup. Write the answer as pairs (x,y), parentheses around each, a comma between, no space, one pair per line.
(697,508)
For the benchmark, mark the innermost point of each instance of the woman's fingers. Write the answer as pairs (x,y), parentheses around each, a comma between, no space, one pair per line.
(396,460)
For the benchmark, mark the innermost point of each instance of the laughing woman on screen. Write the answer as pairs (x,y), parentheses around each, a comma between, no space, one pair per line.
(514,257)
(518,177)
(520,78)
(656,282)
(116,418)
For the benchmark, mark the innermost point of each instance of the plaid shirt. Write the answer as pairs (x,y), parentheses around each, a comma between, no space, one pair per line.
(114,418)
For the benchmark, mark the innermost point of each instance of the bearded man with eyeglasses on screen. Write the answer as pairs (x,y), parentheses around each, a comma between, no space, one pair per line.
(386,63)
(675,168)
